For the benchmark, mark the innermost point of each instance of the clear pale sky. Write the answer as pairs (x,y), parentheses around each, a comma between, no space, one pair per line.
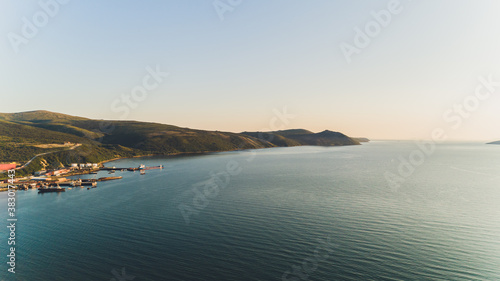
(231,74)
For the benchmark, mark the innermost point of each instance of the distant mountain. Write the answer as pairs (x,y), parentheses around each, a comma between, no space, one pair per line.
(298,137)
(22,133)
(495,142)
(362,139)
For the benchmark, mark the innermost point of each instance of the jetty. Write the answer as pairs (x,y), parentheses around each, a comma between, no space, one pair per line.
(108,178)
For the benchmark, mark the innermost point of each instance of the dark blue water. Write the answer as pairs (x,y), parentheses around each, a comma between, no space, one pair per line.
(303,213)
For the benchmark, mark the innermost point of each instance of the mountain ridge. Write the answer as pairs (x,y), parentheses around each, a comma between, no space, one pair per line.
(297,137)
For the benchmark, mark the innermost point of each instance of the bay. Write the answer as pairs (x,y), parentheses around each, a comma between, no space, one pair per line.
(299,213)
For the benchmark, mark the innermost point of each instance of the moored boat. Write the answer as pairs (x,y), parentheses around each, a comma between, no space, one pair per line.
(154,167)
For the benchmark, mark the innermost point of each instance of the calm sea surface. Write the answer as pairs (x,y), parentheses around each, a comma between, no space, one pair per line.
(302,213)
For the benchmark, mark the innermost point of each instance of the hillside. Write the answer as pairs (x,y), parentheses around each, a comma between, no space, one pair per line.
(50,120)
(297,137)
(22,133)
(39,116)
(20,142)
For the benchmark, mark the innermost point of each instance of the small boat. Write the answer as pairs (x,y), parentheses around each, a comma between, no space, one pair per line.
(154,167)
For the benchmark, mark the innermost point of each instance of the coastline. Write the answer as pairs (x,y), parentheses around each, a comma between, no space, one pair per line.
(101,163)
(178,154)
(217,151)
(85,172)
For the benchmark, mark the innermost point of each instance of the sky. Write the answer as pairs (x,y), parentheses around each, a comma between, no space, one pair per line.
(377,69)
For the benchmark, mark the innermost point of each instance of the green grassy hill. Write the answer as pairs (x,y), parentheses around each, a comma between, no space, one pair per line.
(20,142)
(39,116)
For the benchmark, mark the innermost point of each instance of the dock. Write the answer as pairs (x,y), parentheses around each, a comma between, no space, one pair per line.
(109,178)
